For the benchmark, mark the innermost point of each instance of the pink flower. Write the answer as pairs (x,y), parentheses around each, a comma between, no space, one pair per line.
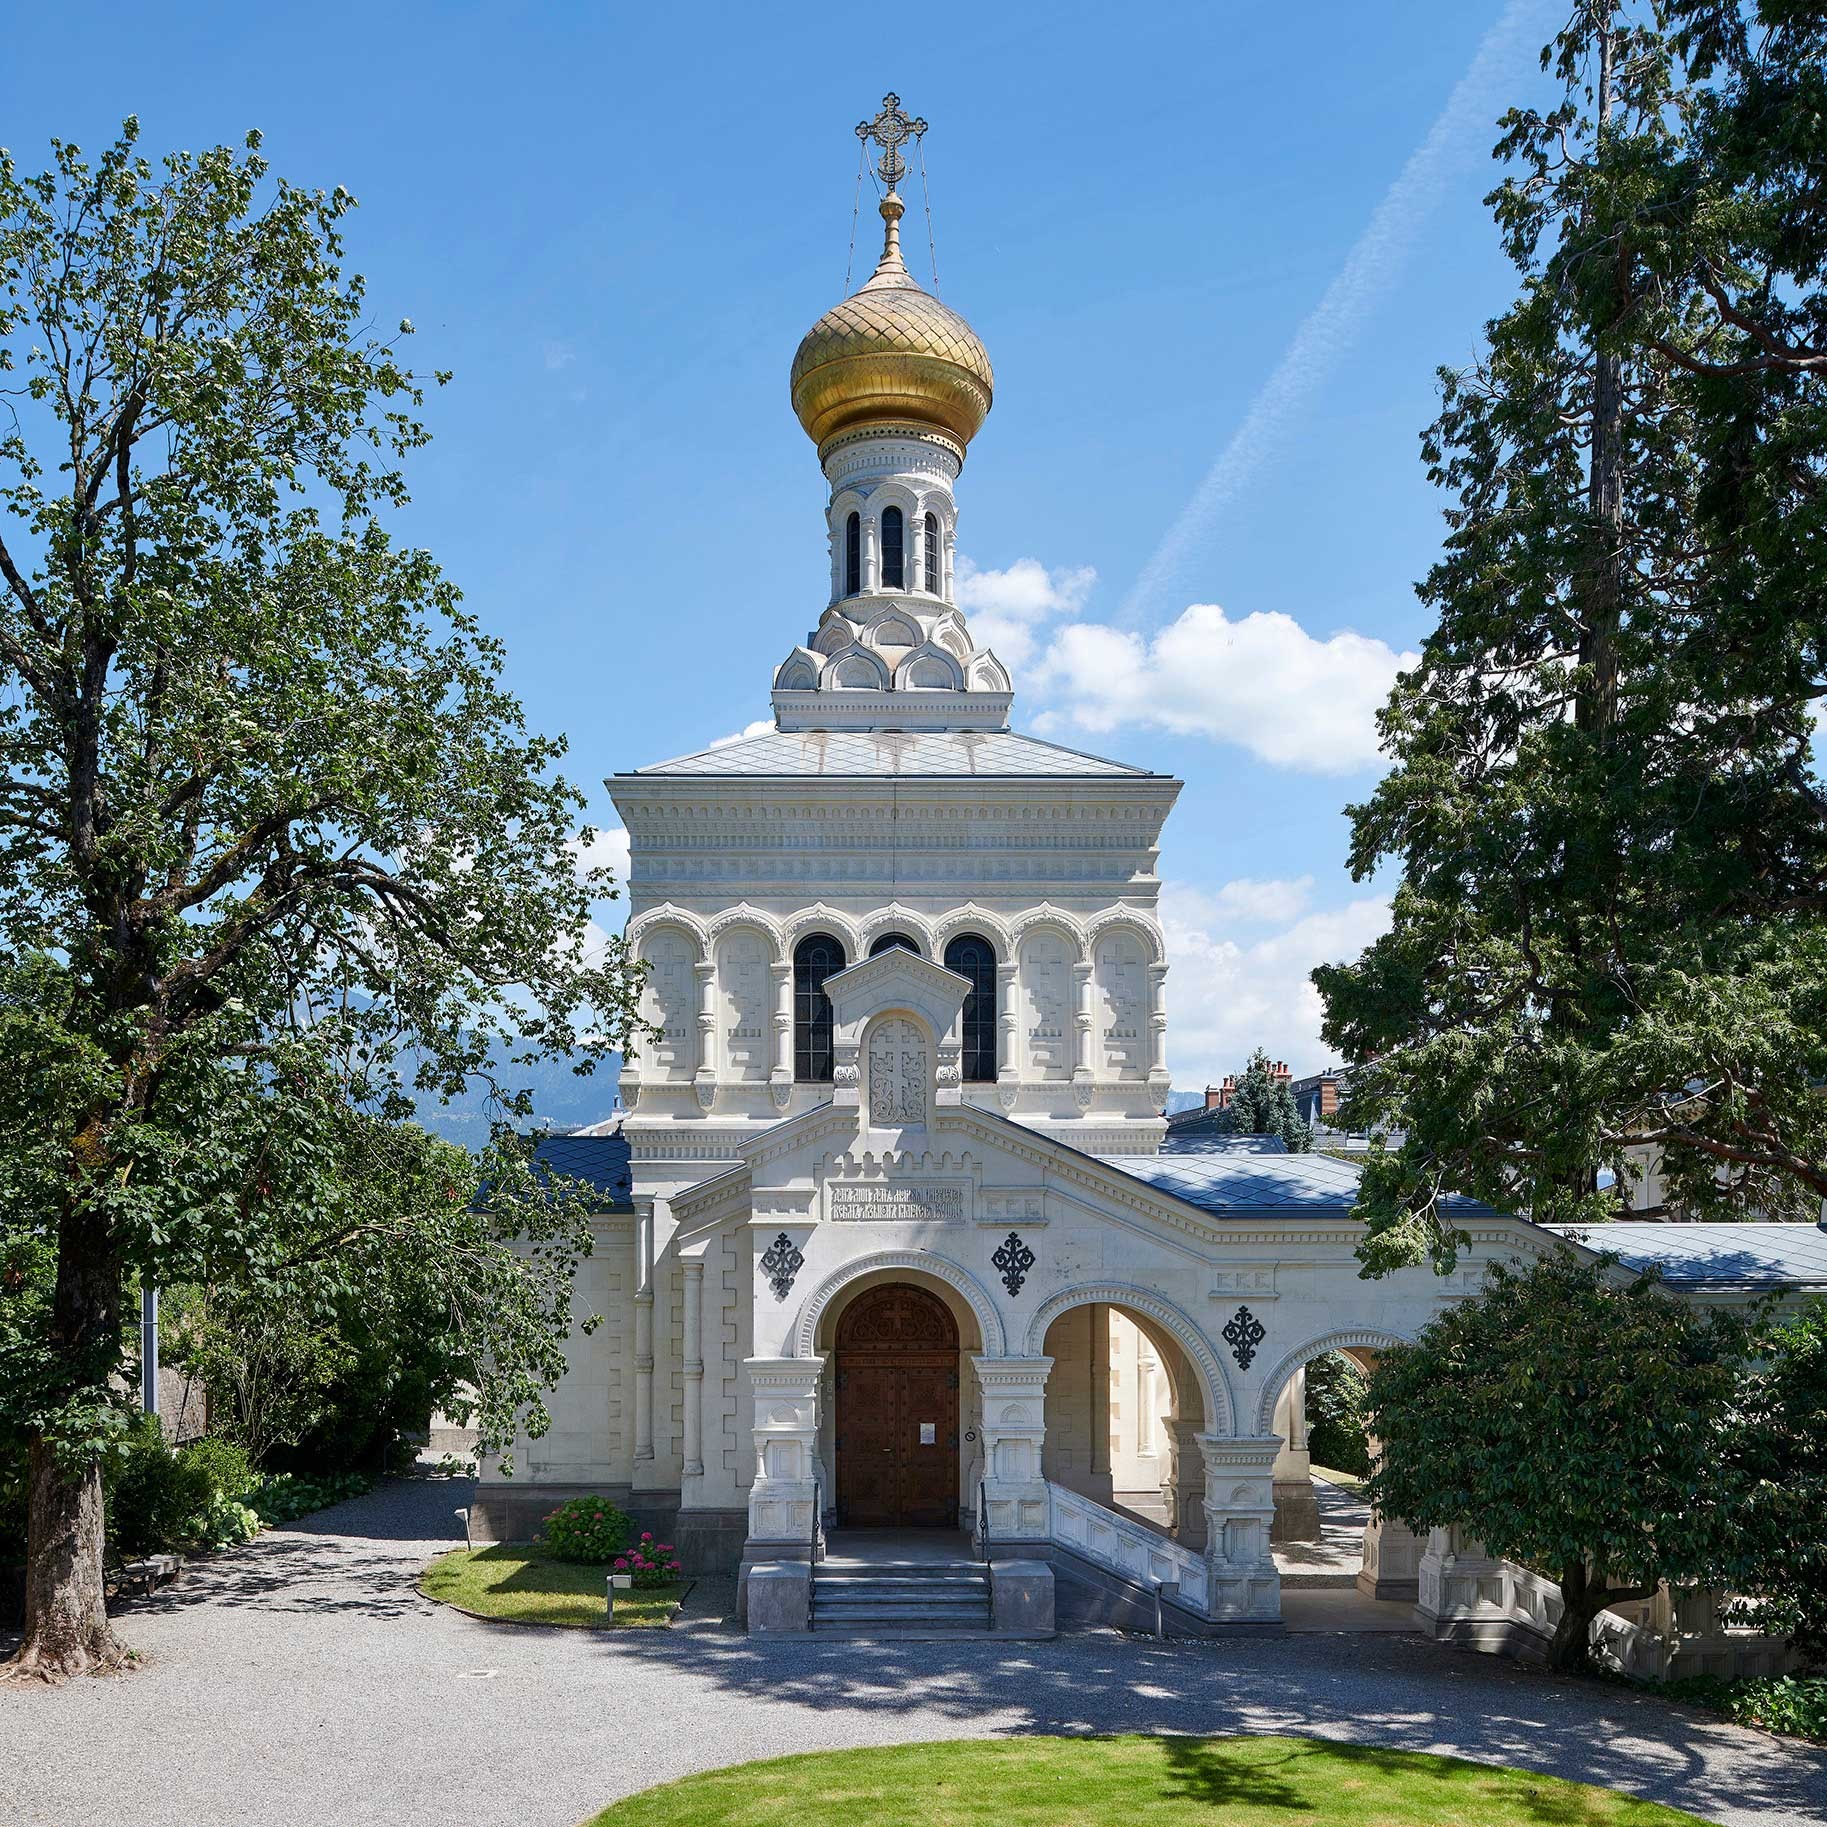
(621,1566)
(646,1536)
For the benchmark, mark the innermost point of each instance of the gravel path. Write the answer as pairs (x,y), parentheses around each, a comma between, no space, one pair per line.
(303,1681)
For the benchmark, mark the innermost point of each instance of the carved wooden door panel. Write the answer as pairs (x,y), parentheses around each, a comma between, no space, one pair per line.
(897,1411)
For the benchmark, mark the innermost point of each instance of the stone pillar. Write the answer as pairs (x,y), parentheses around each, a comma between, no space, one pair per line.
(1184,1487)
(1008,1051)
(836,540)
(872,563)
(1239,1509)
(1392,1553)
(782,1498)
(1082,1022)
(692,1267)
(1103,1483)
(1296,1508)
(1014,1428)
(1392,1560)
(708,1051)
(780,1077)
(950,537)
(643,1342)
(1159,1078)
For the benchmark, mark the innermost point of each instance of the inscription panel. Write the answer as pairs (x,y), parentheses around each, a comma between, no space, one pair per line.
(923,1202)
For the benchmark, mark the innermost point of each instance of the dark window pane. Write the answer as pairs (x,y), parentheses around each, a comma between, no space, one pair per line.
(887,940)
(975,959)
(853,555)
(893,569)
(931,556)
(815,957)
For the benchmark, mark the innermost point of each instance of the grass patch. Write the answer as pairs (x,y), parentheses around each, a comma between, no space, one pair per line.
(1141,1781)
(512,1582)
(1346,1481)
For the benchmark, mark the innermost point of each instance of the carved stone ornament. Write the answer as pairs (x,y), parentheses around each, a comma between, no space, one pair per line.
(897,1073)
(1243,1332)
(781,1261)
(1013,1260)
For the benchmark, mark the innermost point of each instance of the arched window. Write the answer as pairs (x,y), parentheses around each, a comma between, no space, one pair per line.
(894,569)
(853,554)
(888,941)
(975,958)
(815,957)
(929,557)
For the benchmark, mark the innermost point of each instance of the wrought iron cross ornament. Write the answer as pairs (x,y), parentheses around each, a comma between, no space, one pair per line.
(891,130)
(1013,1259)
(1243,1332)
(781,1261)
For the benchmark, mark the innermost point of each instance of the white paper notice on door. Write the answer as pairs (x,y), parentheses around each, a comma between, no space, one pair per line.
(929,1433)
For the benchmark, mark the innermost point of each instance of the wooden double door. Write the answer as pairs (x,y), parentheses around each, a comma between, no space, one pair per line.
(897,1411)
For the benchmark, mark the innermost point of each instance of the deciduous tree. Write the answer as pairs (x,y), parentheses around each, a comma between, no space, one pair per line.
(277,853)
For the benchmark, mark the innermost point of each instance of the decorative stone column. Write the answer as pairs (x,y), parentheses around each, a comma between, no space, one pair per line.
(643,1343)
(835,539)
(1239,1510)
(708,1050)
(1082,1022)
(785,1434)
(950,538)
(1183,1490)
(1008,1053)
(1159,1079)
(692,1267)
(1014,1427)
(1296,1508)
(780,1076)
(872,564)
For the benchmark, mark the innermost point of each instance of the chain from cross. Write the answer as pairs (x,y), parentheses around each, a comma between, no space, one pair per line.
(891,130)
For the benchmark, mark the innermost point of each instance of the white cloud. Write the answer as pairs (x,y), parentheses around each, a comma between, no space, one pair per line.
(760,727)
(1248,901)
(606,850)
(1455,143)
(1261,681)
(1225,998)
(1007,608)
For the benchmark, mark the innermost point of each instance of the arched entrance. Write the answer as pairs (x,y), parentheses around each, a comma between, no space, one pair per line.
(897,1411)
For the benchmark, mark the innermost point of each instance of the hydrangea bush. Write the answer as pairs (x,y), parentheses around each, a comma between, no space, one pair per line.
(650,1562)
(587,1529)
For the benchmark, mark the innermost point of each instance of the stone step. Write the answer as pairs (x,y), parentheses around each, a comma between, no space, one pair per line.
(902,1605)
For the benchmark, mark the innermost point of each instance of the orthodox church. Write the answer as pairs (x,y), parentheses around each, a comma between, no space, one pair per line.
(896,1243)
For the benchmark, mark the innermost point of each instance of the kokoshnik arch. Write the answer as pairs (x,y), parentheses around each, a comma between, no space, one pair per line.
(895,1237)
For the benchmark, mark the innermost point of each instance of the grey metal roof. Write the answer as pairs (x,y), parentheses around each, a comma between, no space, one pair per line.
(1190,1139)
(1695,1255)
(602,1162)
(989,754)
(1226,1182)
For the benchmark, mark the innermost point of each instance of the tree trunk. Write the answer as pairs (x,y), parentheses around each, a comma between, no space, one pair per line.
(66,1616)
(1582,1599)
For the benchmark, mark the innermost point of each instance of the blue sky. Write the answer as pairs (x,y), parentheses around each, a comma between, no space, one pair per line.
(1207,246)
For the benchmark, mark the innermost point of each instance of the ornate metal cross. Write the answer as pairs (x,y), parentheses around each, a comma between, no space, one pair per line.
(1243,1333)
(891,130)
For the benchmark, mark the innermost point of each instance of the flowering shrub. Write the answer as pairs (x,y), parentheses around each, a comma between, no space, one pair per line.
(588,1529)
(650,1562)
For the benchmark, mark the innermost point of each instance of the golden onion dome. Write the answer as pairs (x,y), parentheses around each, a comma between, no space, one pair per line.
(891,355)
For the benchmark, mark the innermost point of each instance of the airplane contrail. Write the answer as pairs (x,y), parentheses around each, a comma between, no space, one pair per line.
(1461,132)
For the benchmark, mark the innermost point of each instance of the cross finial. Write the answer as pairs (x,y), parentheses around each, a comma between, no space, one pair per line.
(891,130)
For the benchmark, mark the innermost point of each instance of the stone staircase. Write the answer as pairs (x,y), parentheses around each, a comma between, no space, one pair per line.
(905,1600)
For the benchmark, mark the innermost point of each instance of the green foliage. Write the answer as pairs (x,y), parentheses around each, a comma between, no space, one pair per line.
(277,853)
(1262,1105)
(283,1498)
(1571,1424)
(1336,1427)
(160,1499)
(588,1529)
(649,1563)
(1778,1466)
(518,1586)
(1609,944)
(1794,1704)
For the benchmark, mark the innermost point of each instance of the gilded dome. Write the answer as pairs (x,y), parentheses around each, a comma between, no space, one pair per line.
(891,354)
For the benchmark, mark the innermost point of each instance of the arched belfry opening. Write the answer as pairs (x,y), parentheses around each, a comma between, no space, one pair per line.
(896,1424)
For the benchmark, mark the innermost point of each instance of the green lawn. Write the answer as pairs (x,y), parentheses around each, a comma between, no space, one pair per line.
(510,1581)
(1139,1781)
